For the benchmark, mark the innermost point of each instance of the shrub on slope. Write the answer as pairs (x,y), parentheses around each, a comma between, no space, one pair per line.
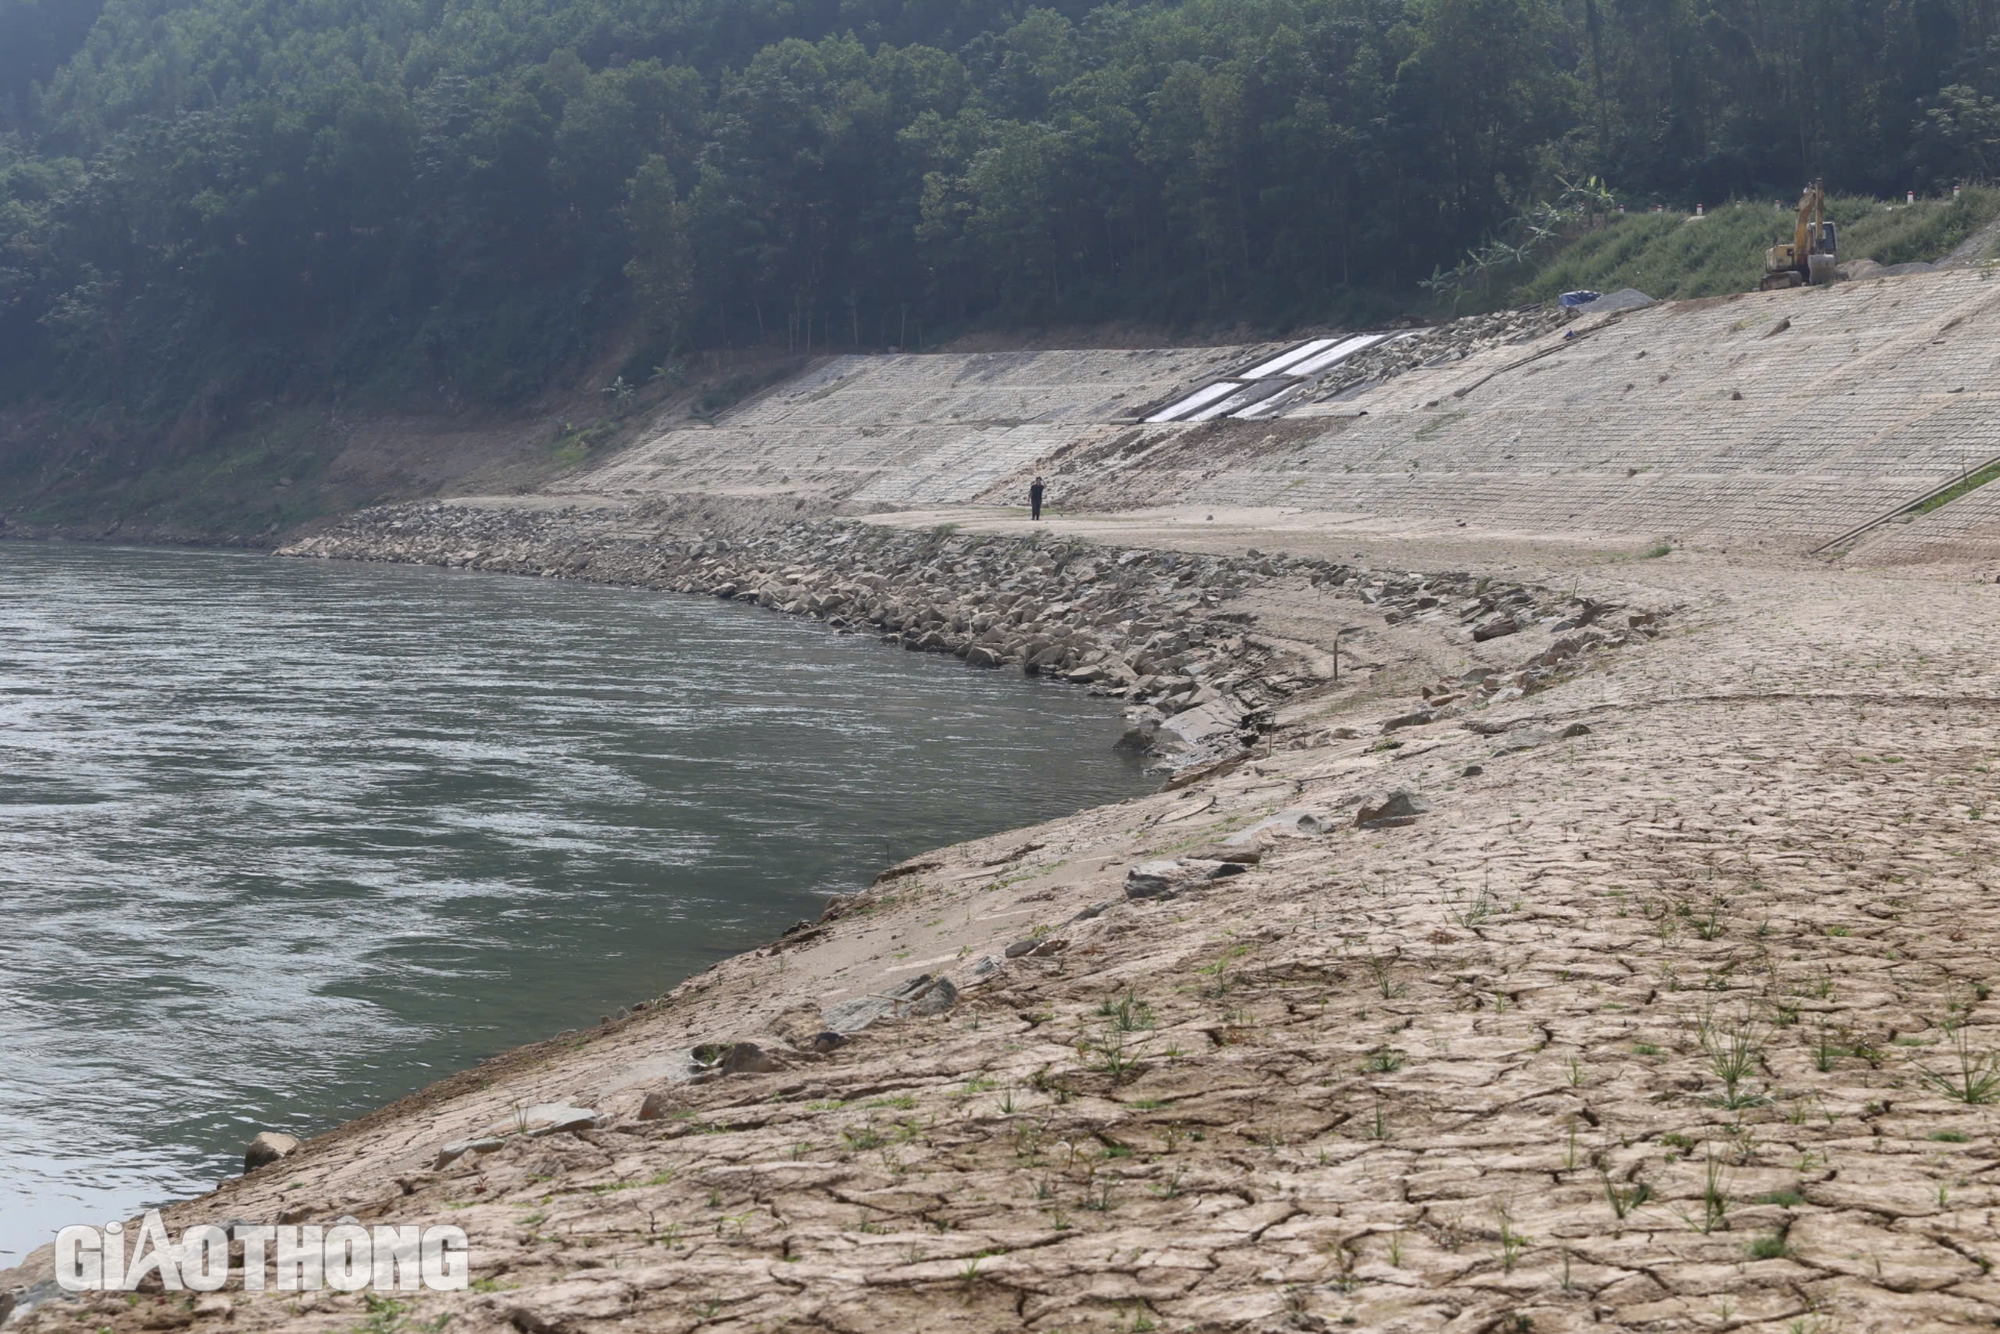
(1673,256)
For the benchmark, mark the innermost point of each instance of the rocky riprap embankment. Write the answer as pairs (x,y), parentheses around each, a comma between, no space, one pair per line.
(1440,345)
(1583,628)
(1156,628)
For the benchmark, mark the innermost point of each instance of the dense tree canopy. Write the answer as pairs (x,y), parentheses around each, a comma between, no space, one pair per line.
(208,198)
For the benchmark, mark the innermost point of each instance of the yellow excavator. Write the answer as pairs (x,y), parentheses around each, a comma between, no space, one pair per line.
(1808,258)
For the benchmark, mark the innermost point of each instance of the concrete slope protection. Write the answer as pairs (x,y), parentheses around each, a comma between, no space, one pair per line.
(908,429)
(1780,419)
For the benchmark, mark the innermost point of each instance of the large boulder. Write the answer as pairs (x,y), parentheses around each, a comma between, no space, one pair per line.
(1390,810)
(1151,880)
(1208,726)
(920,996)
(268,1148)
(747,1058)
(1170,878)
(928,995)
(1145,726)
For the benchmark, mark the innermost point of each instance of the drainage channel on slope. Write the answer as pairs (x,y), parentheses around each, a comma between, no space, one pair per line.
(1265,388)
(1936,498)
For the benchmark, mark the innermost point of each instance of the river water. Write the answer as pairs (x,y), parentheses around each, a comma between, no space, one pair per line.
(281,841)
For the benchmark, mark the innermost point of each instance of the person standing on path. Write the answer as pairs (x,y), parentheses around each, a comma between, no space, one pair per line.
(1035,499)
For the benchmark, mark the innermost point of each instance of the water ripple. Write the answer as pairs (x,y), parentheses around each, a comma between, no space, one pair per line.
(281,841)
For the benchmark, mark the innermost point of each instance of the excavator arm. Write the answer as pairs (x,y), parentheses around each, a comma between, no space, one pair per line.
(1811,205)
(1810,256)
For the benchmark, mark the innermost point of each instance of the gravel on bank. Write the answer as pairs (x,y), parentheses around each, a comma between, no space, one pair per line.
(1154,628)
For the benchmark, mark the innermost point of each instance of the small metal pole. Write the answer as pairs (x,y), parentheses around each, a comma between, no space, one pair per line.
(1343,630)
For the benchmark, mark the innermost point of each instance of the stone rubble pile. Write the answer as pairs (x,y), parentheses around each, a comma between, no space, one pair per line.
(1439,345)
(1152,628)
(1581,625)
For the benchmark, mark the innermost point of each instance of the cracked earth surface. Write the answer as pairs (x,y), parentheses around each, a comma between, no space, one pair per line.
(1681,1023)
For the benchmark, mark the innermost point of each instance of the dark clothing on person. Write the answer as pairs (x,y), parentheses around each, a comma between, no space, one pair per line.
(1035,499)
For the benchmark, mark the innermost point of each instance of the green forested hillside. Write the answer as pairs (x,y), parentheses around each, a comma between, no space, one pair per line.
(203,200)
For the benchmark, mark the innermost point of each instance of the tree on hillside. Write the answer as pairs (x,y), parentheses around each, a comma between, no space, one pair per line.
(233,197)
(662,263)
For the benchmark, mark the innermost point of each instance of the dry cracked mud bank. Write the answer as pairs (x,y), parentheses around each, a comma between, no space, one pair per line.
(1666,1005)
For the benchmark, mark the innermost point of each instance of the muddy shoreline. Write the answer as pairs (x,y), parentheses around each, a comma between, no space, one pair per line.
(1226,666)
